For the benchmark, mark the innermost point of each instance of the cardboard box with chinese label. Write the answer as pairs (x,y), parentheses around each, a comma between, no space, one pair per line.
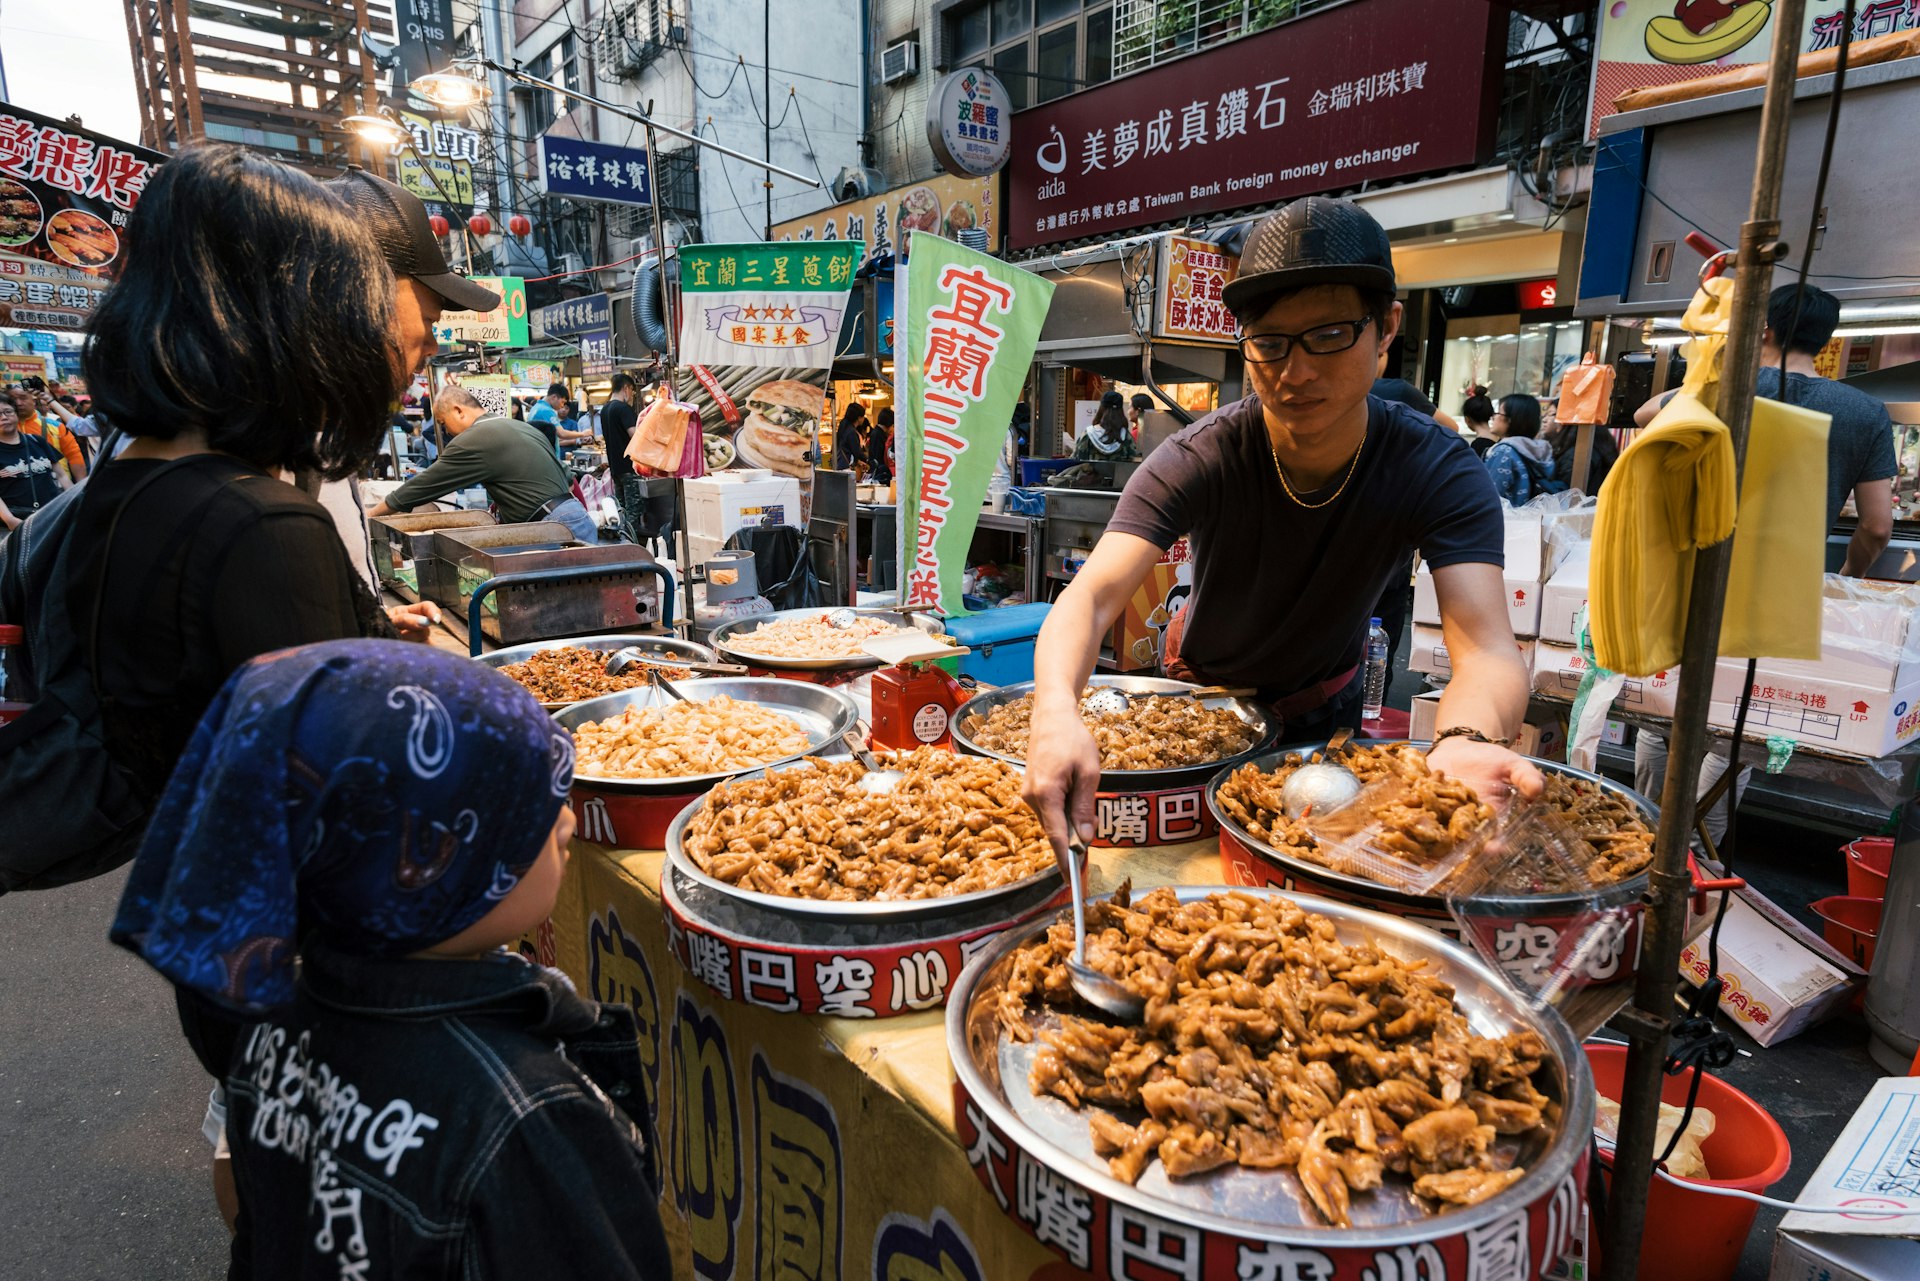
(1522,595)
(1873,1167)
(1563,596)
(1780,977)
(1558,670)
(1544,733)
(1138,638)
(1429,653)
(1841,717)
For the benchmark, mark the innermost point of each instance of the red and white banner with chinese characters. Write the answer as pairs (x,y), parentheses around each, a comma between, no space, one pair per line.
(870,980)
(966,327)
(1134,819)
(65,197)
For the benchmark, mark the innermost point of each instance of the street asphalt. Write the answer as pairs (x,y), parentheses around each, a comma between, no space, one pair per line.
(103,1173)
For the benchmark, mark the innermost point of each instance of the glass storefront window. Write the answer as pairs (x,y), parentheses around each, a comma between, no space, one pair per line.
(1529,360)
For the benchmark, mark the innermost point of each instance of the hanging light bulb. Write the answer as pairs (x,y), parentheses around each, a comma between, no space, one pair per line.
(450,89)
(378,130)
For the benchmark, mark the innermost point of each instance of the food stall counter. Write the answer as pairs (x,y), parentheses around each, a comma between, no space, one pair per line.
(793,1144)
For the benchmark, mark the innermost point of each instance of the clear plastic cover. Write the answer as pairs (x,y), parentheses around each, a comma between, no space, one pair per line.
(1525,902)
(1409,834)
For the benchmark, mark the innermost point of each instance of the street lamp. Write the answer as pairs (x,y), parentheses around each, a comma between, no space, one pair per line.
(451,89)
(378,130)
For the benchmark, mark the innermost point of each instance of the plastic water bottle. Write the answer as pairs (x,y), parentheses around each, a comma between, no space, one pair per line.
(1375,691)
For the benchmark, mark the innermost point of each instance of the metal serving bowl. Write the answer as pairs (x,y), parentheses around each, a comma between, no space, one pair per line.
(824,713)
(1127,780)
(667,647)
(863,910)
(725,636)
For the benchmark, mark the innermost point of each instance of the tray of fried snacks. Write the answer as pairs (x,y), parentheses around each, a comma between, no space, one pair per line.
(810,839)
(1307,1076)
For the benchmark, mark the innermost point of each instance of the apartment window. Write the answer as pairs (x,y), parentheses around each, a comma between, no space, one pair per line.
(1040,49)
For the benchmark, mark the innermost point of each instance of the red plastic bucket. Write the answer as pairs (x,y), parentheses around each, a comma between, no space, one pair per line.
(1691,1234)
(1867,862)
(1852,925)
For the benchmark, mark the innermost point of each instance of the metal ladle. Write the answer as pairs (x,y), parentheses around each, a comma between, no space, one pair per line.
(876,780)
(841,618)
(1107,700)
(1323,786)
(1100,991)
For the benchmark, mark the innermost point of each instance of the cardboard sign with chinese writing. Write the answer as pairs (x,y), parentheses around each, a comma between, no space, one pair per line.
(764,305)
(504,326)
(1350,94)
(968,326)
(962,209)
(65,197)
(1192,275)
(593,171)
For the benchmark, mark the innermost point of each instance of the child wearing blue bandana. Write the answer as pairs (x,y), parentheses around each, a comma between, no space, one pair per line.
(356,833)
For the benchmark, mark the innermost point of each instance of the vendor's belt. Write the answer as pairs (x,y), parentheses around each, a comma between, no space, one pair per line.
(547,509)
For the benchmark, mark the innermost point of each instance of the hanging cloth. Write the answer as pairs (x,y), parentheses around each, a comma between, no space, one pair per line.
(1780,545)
(1670,493)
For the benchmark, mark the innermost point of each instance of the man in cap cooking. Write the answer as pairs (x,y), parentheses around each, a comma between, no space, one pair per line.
(1302,501)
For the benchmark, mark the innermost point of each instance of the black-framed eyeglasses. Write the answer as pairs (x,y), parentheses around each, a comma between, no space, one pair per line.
(1321,340)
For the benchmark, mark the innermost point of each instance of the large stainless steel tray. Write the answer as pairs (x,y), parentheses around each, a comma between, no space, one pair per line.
(828,910)
(723,636)
(1269,1205)
(1129,780)
(667,647)
(1620,893)
(408,537)
(824,713)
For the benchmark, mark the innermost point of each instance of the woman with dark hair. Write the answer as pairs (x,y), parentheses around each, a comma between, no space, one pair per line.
(849,438)
(1565,440)
(1521,464)
(1478,416)
(1108,440)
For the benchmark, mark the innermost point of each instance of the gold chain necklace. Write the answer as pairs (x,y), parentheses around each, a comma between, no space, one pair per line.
(1282,473)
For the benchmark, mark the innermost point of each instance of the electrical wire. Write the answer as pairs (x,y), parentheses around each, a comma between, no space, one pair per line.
(813,152)
(1741,1194)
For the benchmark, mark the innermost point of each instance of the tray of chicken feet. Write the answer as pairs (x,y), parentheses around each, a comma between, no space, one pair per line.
(1311,1084)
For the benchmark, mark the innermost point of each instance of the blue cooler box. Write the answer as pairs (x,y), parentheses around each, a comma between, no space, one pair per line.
(1002,643)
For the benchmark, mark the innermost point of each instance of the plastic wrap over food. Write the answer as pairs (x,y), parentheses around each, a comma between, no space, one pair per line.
(1869,620)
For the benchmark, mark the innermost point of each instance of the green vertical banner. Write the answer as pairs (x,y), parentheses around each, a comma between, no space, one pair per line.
(966,328)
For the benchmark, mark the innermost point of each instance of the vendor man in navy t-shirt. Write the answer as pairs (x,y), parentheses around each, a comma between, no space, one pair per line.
(1302,501)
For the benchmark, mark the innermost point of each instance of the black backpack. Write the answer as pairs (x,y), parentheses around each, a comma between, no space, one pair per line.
(72,811)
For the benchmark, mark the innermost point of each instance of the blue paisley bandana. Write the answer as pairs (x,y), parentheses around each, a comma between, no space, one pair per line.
(380,793)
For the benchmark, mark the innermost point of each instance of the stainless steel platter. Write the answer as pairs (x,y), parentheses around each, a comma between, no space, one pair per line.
(1622,892)
(1127,780)
(838,911)
(1270,1205)
(824,713)
(667,647)
(725,636)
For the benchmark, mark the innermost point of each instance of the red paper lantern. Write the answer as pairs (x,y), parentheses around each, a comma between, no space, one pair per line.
(480,225)
(520,224)
(440,225)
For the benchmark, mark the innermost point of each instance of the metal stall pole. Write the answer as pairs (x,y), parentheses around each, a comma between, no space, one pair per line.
(1648,1021)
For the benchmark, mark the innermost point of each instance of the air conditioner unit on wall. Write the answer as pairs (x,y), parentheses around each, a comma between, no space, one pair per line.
(900,61)
(573,265)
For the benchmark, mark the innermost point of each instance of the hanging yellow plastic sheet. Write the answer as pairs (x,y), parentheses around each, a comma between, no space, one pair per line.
(1780,539)
(1673,492)
(1670,493)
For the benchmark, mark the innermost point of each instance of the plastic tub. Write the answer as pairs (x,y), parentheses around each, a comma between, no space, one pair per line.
(1852,925)
(1868,859)
(1697,1235)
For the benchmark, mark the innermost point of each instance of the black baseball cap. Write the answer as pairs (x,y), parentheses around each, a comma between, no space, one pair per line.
(399,225)
(1313,241)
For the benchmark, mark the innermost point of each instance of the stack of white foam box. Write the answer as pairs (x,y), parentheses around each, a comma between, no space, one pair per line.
(1525,553)
(1862,696)
(720,505)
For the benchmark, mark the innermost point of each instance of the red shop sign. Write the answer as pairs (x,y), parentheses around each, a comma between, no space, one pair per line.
(1354,94)
(1538,295)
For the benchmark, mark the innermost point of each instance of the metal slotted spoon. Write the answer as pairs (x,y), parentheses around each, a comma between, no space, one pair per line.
(1090,985)
(876,779)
